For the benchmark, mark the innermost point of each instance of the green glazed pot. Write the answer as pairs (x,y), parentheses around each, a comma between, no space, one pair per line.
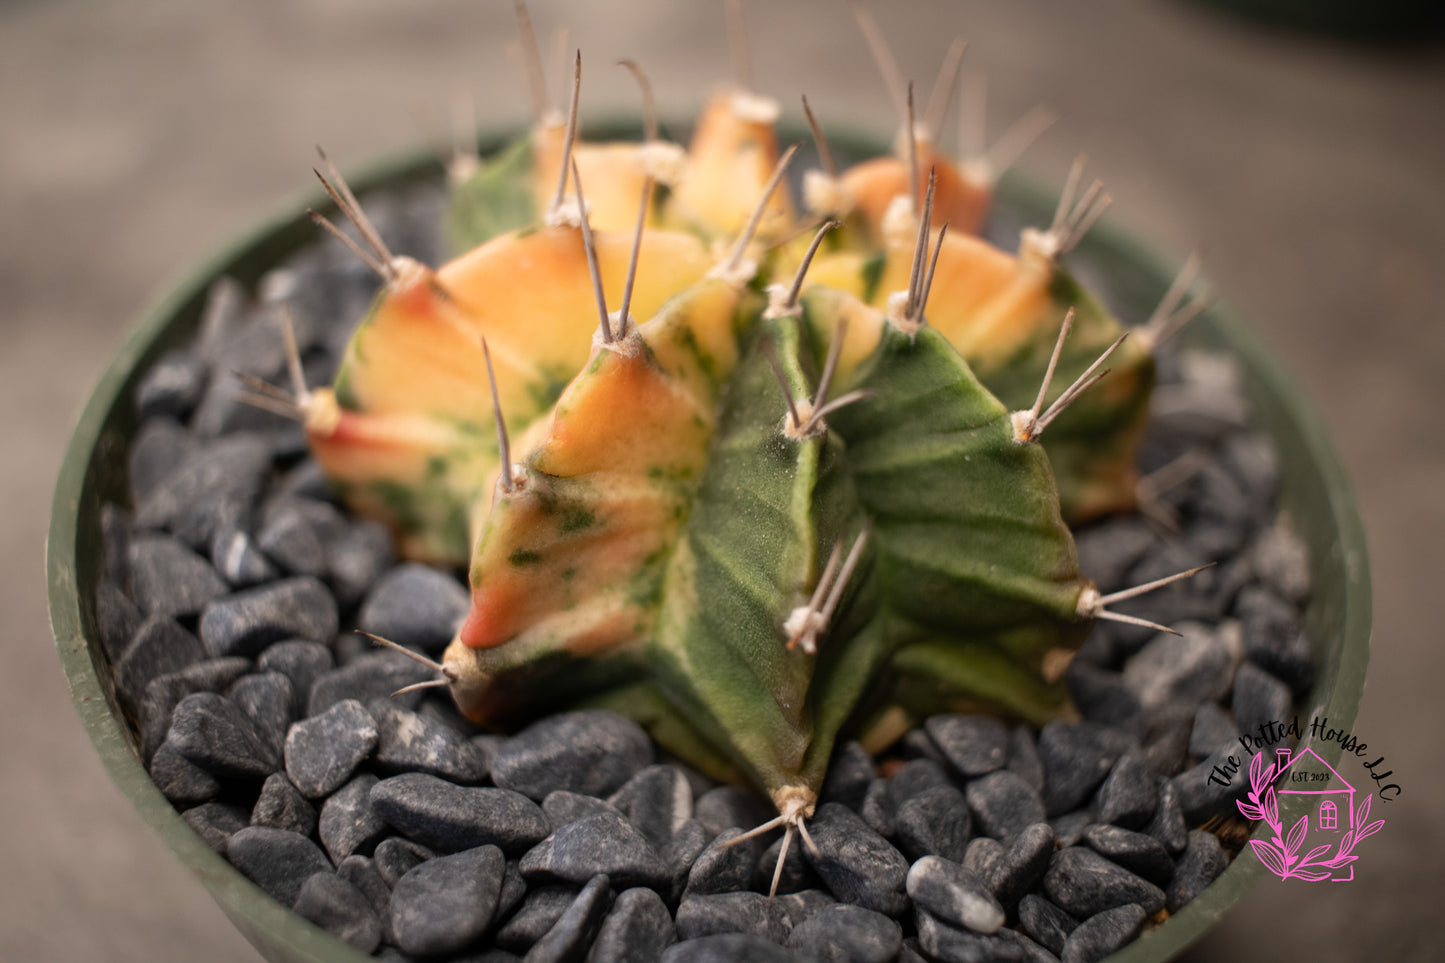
(1315,494)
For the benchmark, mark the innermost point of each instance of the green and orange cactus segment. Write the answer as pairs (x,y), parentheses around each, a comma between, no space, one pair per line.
(733,153)
(571,559)
(418,448)
(1001,311)
(495,198)
(773,502)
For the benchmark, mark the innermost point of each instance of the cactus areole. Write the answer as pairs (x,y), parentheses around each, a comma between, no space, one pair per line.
(753,491)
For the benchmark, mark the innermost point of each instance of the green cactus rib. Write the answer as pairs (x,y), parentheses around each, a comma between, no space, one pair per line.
(1091,446)
(495,199)
(971,554)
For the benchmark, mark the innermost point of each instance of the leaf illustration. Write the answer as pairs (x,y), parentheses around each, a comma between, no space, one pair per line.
(1347,841)
(1362,811)
(1269,856)
(1256,771)
(1249,812)
(1370,830)
(1296,836)
(1271,808)
(1269,774)
(1311,875)
(1339,861)
(1313,854)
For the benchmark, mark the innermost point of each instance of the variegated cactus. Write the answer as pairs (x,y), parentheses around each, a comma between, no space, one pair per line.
(752,490)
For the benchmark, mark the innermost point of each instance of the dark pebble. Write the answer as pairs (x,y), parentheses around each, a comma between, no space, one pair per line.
(347,824)
(682,851)
(159,446)
(849,772)
(949,944)
(160,647)
(914,777)
(637,930)
(1102,695)
(796,873)
(1167,747)
(1083,883)
(658,800)
(1102,934)
(1003,805)
(847,934)
(356,559)
(973,745)
(226,471)
(1048,925)
(563,807)
(374,675)
(448,818)
(1199,797)
(797,907)
(879,810)
(1139,853)
(591,752)
(933,822)
(276,860)
(445,903)
(1076,757)
(341,909)
(1023,758)
(239,560)
(573,933)
(1203,860)
(604,844)
(295,532)
(1129,794)
(731,806)
(408,742)
(541,908)
(1213,729)
(1012,872)
(859,866)
(300,661)
(954,895)
(514,890)
(212,732)
(1069,828)
(1174,673)
(417,606)
(246,622)
(280,806)
(181,781)
(723,868)
(162,695)
(395,857)
(216,823)
(265,699)
(361,872)
(1259,699)
(1108,550)
(1168,826)
(1273,640)
(728,948)
(916,744)
(323,751)
(746,912)
(117,619)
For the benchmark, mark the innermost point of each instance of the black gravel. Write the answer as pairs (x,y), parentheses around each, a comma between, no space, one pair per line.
(232,581)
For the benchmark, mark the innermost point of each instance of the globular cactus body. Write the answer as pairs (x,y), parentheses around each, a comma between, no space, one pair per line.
(692,532)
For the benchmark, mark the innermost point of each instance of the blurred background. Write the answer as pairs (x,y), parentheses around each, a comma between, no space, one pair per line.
(1307,167)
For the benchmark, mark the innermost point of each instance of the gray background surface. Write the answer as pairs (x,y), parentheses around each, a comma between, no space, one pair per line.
(139,136)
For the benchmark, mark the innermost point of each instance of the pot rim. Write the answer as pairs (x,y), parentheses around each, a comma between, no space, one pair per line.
(1338,616)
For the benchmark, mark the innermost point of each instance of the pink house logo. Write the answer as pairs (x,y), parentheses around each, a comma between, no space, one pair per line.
(1319,845)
